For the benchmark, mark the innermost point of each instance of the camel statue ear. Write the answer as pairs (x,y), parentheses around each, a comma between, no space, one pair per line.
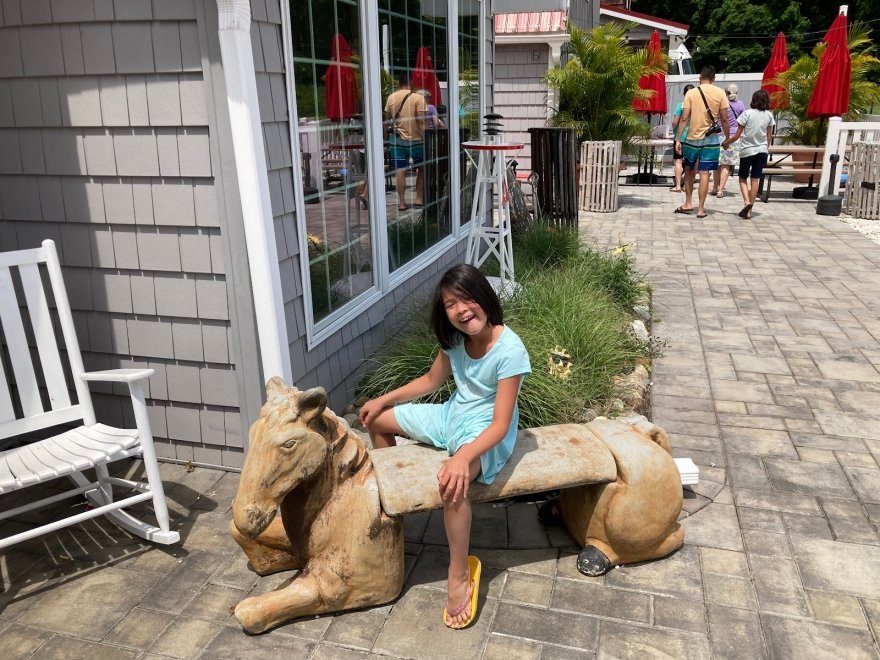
(312,403)
(274,387)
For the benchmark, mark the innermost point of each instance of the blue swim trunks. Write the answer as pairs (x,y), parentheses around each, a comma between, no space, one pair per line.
(701,154)
(403,151)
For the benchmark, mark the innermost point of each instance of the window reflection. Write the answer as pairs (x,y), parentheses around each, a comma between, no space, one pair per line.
(327,57)
(468,95)
(415,93)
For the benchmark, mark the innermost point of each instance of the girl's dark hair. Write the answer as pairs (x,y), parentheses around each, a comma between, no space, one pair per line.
(687,88)
(760,100)
(467,283)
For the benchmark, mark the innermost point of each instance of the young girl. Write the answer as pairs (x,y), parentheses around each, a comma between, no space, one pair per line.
(477,425)
(755,125)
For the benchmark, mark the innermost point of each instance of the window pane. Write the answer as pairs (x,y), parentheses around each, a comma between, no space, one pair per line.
(468,94)
(415,73)
(327,59)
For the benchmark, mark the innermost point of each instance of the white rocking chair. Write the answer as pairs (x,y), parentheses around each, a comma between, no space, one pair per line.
(86,446)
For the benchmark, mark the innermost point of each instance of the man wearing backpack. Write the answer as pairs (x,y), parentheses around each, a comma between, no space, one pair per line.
(704,112)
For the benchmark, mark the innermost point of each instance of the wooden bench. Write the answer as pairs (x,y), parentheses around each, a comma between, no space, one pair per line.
(30,403)
(554,457)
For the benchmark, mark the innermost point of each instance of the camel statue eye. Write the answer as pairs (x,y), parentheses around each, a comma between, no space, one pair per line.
(290,443)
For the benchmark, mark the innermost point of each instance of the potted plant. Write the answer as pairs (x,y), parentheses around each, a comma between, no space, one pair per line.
(799,82)
(595,88)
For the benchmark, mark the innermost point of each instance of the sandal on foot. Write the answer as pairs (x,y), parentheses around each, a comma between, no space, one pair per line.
(683,210)
(674,189)
(720,194)
(745,211)
(549,514)
(402,207)
(474,568)
(700,216)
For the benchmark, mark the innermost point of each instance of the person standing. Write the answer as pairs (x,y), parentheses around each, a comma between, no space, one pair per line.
(755,126)
(408,111)
(676,155)
(730,154)
(704,110)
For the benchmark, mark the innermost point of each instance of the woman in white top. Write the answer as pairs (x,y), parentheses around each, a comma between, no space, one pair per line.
(755,127)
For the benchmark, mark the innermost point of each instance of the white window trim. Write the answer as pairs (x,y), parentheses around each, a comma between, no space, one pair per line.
(385,281)
(234,21)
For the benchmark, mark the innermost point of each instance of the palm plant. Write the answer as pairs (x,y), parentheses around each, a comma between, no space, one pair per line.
(799,82)
(596,87)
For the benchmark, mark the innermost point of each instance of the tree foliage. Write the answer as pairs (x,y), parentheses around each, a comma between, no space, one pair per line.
(596,87)
(737,35)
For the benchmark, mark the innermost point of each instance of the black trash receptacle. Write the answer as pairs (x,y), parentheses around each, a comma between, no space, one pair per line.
(554,160)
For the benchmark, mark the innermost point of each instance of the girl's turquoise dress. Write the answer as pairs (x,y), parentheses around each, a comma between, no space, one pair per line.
(469,410)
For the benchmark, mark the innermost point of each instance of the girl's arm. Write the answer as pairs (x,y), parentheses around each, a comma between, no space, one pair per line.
(430,382)
(769,136)
(735,137)
(454,476)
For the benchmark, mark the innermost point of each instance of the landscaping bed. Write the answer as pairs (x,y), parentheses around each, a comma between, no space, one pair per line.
(574,313)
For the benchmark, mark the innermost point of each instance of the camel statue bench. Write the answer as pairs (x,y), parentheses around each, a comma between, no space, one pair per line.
(341,503)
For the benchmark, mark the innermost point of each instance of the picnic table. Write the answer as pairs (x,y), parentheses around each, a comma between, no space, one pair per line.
(782,161)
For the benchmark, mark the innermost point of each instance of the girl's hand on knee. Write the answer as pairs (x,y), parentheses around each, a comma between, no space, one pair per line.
(370,410)
(454,478)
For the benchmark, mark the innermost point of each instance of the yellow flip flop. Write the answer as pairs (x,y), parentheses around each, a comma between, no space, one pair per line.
(474,568)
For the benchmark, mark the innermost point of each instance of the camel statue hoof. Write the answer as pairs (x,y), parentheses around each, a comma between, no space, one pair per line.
(592,562)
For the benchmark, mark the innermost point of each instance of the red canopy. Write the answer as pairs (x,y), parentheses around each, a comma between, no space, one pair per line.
(423,76)
(778,64)
(831,95)
(340,86)
(653,81)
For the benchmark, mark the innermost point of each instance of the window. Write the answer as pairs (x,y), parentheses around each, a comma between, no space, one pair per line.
(468,96)
(415,60)
(327,64)
(337,120)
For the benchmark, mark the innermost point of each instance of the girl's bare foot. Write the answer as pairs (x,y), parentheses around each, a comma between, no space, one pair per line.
(459,592)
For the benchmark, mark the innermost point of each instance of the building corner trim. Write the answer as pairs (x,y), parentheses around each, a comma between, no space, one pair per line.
(234,20)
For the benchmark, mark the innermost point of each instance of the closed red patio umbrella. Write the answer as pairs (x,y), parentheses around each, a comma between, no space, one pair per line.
(340,86)
(778,64)
(656,104)
(831,95)
(424,77)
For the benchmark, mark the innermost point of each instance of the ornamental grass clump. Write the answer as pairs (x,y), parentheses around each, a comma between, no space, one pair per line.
(572,313)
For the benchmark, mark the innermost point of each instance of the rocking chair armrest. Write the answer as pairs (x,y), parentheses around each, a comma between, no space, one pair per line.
(117,375)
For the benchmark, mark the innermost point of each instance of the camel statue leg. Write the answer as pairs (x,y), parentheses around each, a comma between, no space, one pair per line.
(634,518)
(270,552)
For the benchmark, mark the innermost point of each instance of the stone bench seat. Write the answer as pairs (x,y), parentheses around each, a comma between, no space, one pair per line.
(561,456)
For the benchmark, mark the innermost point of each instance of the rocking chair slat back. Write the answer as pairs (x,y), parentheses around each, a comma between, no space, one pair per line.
(30,313)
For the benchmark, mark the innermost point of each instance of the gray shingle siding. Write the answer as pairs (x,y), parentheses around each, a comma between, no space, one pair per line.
(106,147)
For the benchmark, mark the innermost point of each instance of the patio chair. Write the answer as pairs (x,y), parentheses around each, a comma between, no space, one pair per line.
(35,398)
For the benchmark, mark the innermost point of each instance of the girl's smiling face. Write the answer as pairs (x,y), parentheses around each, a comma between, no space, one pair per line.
(464,315)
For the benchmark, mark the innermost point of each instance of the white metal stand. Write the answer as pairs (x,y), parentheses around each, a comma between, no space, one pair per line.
(494,238)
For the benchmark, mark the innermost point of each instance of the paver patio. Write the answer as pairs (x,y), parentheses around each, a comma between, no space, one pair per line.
(770,380)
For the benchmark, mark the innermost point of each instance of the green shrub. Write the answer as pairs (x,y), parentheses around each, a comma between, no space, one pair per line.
(574,299)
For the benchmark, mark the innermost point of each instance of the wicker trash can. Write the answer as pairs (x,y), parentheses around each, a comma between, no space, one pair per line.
(554,154)
(598,181)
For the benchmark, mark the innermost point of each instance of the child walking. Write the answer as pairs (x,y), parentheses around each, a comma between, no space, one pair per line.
(755,126)
(477,425)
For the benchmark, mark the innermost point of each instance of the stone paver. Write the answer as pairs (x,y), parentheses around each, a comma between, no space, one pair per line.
(769,380)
